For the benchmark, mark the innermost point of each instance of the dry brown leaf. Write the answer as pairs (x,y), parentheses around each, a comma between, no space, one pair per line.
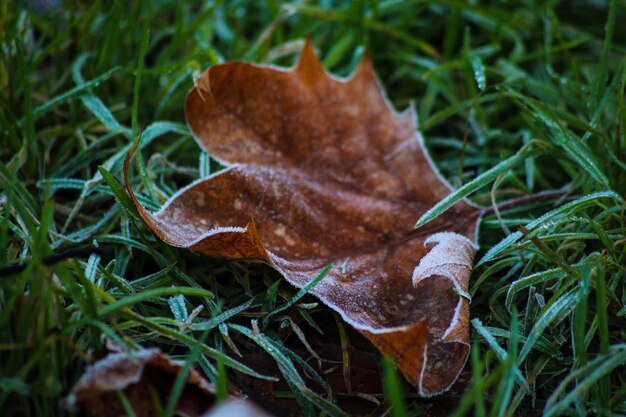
(139,375)
(330,173)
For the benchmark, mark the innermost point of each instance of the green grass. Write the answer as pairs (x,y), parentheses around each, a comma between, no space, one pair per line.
(514,98)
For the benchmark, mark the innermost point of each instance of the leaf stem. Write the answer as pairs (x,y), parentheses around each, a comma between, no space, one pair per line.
(527,199)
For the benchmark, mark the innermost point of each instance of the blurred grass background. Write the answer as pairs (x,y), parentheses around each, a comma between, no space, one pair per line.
(533,88)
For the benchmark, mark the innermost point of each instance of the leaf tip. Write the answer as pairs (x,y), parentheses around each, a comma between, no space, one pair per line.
(309,62)
(422,221)
(366,65)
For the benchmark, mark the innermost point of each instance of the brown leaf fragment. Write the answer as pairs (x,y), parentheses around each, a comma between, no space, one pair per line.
(330,173)
(139,375)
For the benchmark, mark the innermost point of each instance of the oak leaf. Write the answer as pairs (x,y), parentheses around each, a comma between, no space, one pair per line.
(322,170)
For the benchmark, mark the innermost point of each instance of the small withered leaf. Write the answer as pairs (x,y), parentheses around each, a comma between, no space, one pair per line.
(321,171)
(145,378)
